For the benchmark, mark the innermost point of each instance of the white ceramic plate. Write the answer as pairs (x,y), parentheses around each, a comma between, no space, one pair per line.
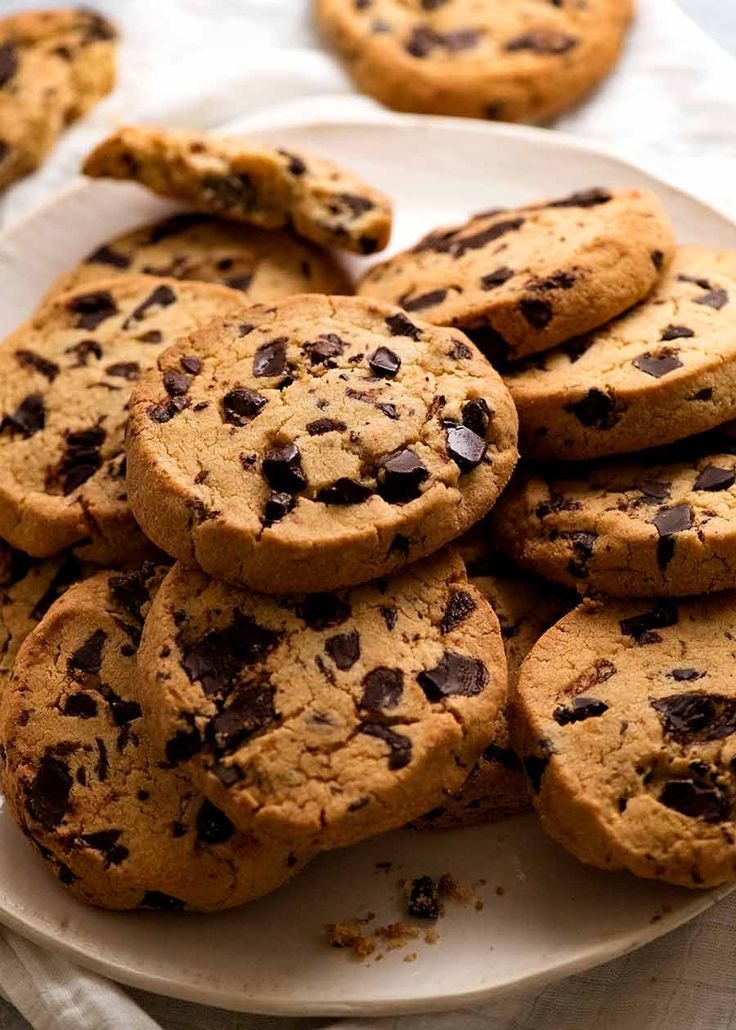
(550,915)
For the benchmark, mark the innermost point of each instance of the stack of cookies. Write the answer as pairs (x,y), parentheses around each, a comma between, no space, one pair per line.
(255,606)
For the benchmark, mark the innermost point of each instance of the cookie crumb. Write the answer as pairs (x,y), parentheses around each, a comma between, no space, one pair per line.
(397,935)
(431,936)
(349,935)
(411,957)
(451,888)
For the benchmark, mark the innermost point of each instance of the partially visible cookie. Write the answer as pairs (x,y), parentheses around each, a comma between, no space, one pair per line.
(118,826)
(662,372)
(316,443)
(515,60)
(250,182)
(68,373)
(526,608)
(327,718)
(626,719)
(659,523)
(534,276)
(54,66)
(262,265)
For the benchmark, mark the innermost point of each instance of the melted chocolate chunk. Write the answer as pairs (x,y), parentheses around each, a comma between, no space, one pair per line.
(676,332)
(422,300)
(465,447)
(29,359)
(658,365)
(384,363)
(161,297)
(88,657)
(270,359)
(84,350)
(213,826)
(714,478)
(105,255)
(457,247)
(693,800)
(282,468)
(584,198)
(638,626)
(424,899)
(106,842)
(382,689)
(325,349)
(459,607)
(477,416)
(597,410)
(241,405)
(325,425)
(715,299)
(542,41)
(685,675)
(81,706)
(579,709)
(183,745)
(221,656)
(344,491)
(129,370)
(400,476)
(229,191)
(8,63)
(321,611)
(692,718)
(399,746)
(400,325)
(250,710)
(29,418)
(277,507)
(48,796)
(92,309)
(538,313)
(344,649)
(81,459)
(456,675)
(496,278)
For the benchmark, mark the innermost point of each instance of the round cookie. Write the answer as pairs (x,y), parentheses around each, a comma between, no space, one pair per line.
(662,372)
(659,524)
(68,373)
(515,60)
(262,265)
(324,718)
(316,443)
(119,827)
(526,608)
(530,278)
(626,718)
(246,181)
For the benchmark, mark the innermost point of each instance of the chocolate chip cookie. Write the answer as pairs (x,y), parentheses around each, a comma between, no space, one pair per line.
(329,717)
(262,265)
(515,60)
(68,373)
(54,66)
(626,718)
(526,608)
(316,443)
(249,182)
(661,523)
(663,372)
(530,278)
(117,825)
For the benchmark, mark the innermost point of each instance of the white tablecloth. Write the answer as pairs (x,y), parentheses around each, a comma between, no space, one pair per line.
(671,106)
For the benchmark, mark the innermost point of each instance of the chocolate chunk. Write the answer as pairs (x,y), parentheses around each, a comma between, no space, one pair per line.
(459,607)
(638,626)
(344,491)
(84,350)
(177,384)
(715,299)
(399,746)
(277,507)
(282,467)
(29,418)
(562,280)
(107,256)
(502,756)
(129,370)
(714,478)
(241,405)
(46,368)
(321,611)
(424,900)
(162,413)
(92,308)
(465,447)
(384,363)
(106,842)
(596,410)
(382,688)
(685,675)
(399,325)
(8,63)
(400,476)
(477,416)
(389,616)
(668,522)
(229,191)
(191,363)
(584,198)
(81,706)
(535,767)
(456,675)
(356,205)
(161,902)
(658,365)
(250,710)
(82,458)
(213,826)
(657,257)
(325,349)
(476,241)
(325,425)
(48,796)
(693,718)
(542,41)
(496,278)
(676,332)
(579,709)
(538,313)
(423,300)
(162,296)
(270,359)
(344,649)
(219,658)
(88,657)
(694,801)
(183,745)
(296,166)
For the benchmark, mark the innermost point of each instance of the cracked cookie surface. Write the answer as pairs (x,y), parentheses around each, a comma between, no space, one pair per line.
(316,443)
(531,277)
(662,372)
(626,719)
(660,523)
(329,717)
(68,375)
(515,60)
(115,824)
(54,66)
(250,182)
(262,265)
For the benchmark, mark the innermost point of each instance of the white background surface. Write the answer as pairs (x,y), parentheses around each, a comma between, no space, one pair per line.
(673,106)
